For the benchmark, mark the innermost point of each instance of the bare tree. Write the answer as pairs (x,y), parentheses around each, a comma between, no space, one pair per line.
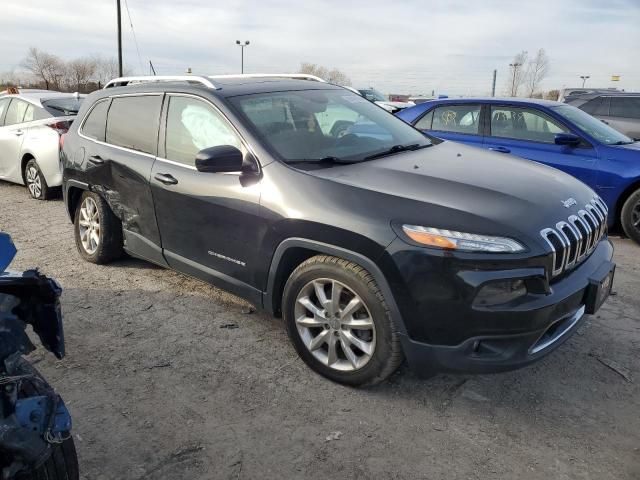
(79,72)
(46,67)
(106,68)
(517,73)
(330,75)
(537,70)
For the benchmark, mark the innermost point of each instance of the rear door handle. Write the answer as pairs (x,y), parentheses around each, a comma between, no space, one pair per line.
(96,160)
(166,178)
(500,149)
(18,133)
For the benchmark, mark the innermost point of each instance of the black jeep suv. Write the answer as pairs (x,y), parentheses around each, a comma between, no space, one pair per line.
(373,241)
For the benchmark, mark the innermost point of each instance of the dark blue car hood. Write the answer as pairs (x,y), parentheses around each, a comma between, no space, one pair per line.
(7,251)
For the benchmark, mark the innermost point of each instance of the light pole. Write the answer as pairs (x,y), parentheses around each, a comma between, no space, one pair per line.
(242,45)
(514,66)
(584,79)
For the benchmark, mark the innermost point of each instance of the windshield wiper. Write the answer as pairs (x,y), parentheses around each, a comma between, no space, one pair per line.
(397,149)
(622,142)
(324,160)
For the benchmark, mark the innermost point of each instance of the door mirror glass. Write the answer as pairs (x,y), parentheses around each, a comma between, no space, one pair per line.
(567,139)
(220,159)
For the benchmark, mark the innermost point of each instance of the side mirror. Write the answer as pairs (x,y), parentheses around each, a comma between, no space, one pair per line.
(220,159)
(568,139)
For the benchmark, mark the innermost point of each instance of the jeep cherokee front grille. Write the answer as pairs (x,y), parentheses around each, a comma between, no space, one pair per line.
(573,240)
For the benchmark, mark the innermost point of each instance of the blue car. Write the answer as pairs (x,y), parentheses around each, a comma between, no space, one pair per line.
(552,133)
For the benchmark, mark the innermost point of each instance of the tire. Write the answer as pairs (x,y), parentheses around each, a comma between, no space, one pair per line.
(63,462)
(311,334)
(630,216)
(35,182)
(94,215)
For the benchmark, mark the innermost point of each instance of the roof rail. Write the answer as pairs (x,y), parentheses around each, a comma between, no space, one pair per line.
(122,81)
(300,76)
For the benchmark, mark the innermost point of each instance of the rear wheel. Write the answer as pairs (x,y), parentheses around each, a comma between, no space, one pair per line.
(35,181)
(339,323)
(630,216)
(98,231)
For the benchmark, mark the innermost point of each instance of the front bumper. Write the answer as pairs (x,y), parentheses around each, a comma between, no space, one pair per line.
(443,331)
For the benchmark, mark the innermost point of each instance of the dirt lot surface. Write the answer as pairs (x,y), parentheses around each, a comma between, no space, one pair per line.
(169,378)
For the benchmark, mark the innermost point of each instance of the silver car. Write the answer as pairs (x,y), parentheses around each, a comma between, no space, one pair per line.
(31,126)
(618,110)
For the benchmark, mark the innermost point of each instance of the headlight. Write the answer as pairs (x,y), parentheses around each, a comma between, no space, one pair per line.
(469,242)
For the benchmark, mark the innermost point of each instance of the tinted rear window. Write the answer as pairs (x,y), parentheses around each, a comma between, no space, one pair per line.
(626,107)
(597,106)
(62,107)
(96,122)
(132,122)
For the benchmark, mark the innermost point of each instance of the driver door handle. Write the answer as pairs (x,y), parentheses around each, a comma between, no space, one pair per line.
(96,160)
(18,133)
(500,149)
(166,178)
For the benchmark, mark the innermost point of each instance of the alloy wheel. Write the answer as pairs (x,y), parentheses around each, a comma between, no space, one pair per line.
(89,225)
(335,325)
(34,182)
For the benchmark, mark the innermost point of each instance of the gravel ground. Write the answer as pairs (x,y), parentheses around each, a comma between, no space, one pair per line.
(167,377)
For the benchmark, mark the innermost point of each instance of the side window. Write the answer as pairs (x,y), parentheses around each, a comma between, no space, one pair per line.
(95,124)
(28,114)
(626,107)
(132,122)
(4,103)
(457,118)
(598,106)
(524,124)
(193,125)
(15,112)
(425,122)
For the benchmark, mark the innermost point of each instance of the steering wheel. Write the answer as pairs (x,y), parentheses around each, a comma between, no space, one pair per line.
(347,140)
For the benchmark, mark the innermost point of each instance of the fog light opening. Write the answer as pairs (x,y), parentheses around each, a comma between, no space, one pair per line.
(500,292)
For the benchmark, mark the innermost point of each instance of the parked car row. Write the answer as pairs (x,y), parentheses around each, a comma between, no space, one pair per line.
(374,241)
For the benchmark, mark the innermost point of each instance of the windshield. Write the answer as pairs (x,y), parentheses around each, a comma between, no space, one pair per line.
(62,106)
(373,95)
(336,125)
(592,126)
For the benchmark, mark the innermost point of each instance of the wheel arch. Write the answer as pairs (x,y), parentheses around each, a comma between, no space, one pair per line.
(73,192)
(293,251)
(23,164)
(626,193)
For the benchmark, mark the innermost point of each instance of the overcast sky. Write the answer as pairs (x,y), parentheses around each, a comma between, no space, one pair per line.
(401,46)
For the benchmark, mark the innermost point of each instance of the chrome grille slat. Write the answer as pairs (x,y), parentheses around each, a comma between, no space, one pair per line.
(574,239)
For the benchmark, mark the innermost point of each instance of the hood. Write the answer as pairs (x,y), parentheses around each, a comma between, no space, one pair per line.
(7,251)
(458,187)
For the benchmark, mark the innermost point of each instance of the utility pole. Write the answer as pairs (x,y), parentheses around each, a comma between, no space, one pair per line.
(514,67)
(119,39)
(584,79)
(493,85)
(242,45)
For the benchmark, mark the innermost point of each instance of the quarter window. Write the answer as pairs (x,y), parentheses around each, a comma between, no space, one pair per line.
(425,122)
(133,121)
(15,112)
(625,107)
(524,124)
(95,124)
(193,125)
(4,103)
(457,119)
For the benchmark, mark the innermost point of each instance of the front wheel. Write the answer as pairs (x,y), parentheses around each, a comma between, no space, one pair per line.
(630,216)
(339,323)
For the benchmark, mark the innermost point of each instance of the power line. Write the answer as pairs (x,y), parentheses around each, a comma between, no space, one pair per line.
(135,40)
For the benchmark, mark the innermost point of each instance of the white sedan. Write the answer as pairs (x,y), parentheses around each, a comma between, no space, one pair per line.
(31,126)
